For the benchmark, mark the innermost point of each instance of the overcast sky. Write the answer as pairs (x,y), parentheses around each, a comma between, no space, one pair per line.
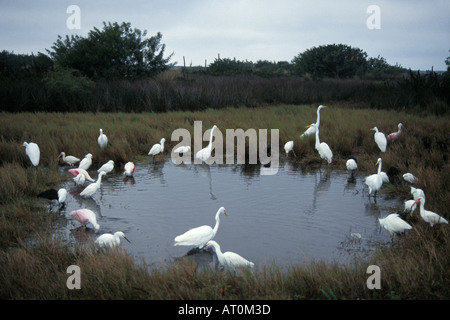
(415,34)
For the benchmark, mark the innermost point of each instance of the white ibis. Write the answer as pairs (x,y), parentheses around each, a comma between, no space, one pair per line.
(70,160)
(429,216)
(288,147)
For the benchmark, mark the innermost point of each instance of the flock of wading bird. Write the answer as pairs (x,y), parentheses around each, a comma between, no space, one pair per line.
(201,237)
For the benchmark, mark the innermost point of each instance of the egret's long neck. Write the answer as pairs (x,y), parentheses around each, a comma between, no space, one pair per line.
(318,117)
(210,138)
(216,227)
(317,137)
(379,168)
(218,253)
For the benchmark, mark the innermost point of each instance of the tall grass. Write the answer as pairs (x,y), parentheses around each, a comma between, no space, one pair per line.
(34,261)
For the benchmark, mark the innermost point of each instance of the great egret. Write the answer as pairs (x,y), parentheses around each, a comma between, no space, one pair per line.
(323,148)
(312,130)
(70,160)
(102,139)
(229,260)
(393,223)
(110,240)
(107,167)
(395,135)
(76,171)
(86,162)
(352,165)
(129,169)
(288,147)
(375,181)
(409,177)
(380,139)
(205,153)
(33,152)
(157,148)
(182,150)
(85,216)
(93,187)
(429,216)
(201,235)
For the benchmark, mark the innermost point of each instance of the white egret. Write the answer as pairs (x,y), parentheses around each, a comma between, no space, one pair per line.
(417,193)
(85,216)
(107,167)
(375,181)
(157,148)
(352,165)
(410,206)
(33,152)
(312,130)
(409,177)
(395,135)
(380,139)
(201,235)
(205,153)
(70,160)
(229,260)
(86,162)
(93,187)
(111,240)
(182,150)
(80,179)
(429,216)
(102,139)
(393,223)
(129,169)
(323,148)
(288,147)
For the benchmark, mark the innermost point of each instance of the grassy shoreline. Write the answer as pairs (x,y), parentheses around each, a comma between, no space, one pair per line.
(414,268)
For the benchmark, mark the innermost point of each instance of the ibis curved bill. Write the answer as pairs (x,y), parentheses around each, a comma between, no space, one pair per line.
(70,160)
(429,216)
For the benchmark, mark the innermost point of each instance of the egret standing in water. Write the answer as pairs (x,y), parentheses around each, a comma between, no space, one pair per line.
(157,148)
(205,153)
(323,148)
(102,140)
(375,181)
(107,167)
(199,236)
(93,187)
(33,152)
(110,240)
(129,169)
(380,139)
(352,165)
(312,130)
(229,260)
(86,162)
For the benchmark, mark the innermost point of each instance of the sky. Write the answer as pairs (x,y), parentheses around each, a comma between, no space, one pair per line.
(414,34)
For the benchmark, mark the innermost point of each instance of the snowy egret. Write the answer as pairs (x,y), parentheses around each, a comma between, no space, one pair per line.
(312,130)
(107,167)
(429,216)
(85,216)
(375,181)
(395,135)
(323,148)
(129,169)
(352,165)
(201,235)
(76,171)
(182,150)
(157,148)
(393,223)
(205,153)
(102,139)
(229,260)
(111,240)
(70,160)
(288,147)
(33,152)
(93,187)
(409,177)
(86,162)
(380,139)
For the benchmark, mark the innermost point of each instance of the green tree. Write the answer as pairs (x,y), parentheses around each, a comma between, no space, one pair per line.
(116,51)
(333,60)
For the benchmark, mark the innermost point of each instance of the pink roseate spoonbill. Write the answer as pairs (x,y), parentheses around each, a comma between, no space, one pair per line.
(157,148)
(70,160)
(102,140)
(380,139)
(199,236)
(86,162)
(288,147)
(129,169)
(429,216)
(33,152)
(107,167)
(312,130)
(229,260)
(375,181)
(323,148)
(76,171)
(205,153)
(409,177)
(393,223)
(111,240)
(85,216)
(93,187)
(395,135)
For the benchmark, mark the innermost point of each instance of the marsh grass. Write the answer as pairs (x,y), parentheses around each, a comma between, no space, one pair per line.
(414,266)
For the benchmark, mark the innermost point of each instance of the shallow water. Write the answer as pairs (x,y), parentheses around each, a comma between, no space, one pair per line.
(286,218)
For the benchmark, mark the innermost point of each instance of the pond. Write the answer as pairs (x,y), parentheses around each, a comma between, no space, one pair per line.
(291,217)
